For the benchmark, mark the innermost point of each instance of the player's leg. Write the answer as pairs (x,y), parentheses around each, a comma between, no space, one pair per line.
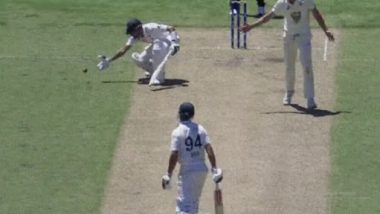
(160,51)
(260,9)
(306,61)
(190,187)
(290,53)
(144,60)
(198,180)
(180,191)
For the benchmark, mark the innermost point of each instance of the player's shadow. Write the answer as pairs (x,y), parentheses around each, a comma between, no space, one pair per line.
(313,112)
(119,81)
(169,83)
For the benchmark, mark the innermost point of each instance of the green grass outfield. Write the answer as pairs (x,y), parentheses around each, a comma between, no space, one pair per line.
(59,127)
(355,186)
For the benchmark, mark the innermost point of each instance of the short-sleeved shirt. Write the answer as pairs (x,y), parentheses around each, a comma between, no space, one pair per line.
(152,31)
(296,15)
(189,139)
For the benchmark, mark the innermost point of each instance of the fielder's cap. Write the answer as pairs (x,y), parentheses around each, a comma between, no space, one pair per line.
(186,111)
(132,25)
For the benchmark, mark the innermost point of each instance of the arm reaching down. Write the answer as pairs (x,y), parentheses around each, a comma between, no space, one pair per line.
(321,22)
(172,162)
(106,61)
(259,22)
(217,173)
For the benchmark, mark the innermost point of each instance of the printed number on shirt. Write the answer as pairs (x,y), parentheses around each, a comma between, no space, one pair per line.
(190,144)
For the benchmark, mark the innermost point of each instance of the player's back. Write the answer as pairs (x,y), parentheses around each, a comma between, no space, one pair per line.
(153,31)
(190,139)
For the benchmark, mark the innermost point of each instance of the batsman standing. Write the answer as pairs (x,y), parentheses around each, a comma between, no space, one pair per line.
(297,35)
(189,143)
(163,41)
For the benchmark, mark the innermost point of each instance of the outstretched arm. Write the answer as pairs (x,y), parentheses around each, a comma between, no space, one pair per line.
(106,61)
(259,22)
(120,52)
(318,16)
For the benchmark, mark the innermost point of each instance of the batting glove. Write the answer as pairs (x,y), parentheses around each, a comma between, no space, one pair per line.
(104,62)
(175,42)
(175,48)
(166,182)
(217,175)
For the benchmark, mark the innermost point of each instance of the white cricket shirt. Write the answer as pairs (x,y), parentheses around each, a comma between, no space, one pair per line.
(296,15)
(189,139)
(152,31)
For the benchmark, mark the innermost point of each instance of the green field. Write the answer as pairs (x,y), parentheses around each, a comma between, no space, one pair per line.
(59,126)
(356,160)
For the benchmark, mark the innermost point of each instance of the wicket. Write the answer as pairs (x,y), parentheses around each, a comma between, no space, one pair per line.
(235,6)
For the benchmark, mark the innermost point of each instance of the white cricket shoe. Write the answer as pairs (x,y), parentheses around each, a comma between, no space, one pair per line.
(155,83)
(147,74)
(287,100)
(311,104)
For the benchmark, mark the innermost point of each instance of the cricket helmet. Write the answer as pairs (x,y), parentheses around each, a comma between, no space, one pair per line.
(132,25)
(186,111)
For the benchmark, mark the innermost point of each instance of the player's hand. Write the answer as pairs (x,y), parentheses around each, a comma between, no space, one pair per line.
(175,48)
(245,28)
(104,62)
(330,36)
(166,182)
(217,175)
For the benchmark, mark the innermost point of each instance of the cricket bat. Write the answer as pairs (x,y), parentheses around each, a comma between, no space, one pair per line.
(218,200)
(325,49)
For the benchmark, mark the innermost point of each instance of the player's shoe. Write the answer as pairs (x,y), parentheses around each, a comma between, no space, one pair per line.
(156,83)
(147,74)
(311,104)
(287,100)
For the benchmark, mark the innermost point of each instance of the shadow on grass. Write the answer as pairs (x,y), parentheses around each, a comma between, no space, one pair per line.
(120,81)
(169,83)
(313,112)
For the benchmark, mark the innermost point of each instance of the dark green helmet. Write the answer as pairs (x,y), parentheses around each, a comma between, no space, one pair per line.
(186,111)
(132,25)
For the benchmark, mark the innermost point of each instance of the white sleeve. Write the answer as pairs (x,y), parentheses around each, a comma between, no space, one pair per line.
(131,41)
(174,144)
(204,136)
(279,8)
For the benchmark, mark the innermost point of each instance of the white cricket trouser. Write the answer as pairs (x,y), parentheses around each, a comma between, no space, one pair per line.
(303,43)
(190,187)
(152,57)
